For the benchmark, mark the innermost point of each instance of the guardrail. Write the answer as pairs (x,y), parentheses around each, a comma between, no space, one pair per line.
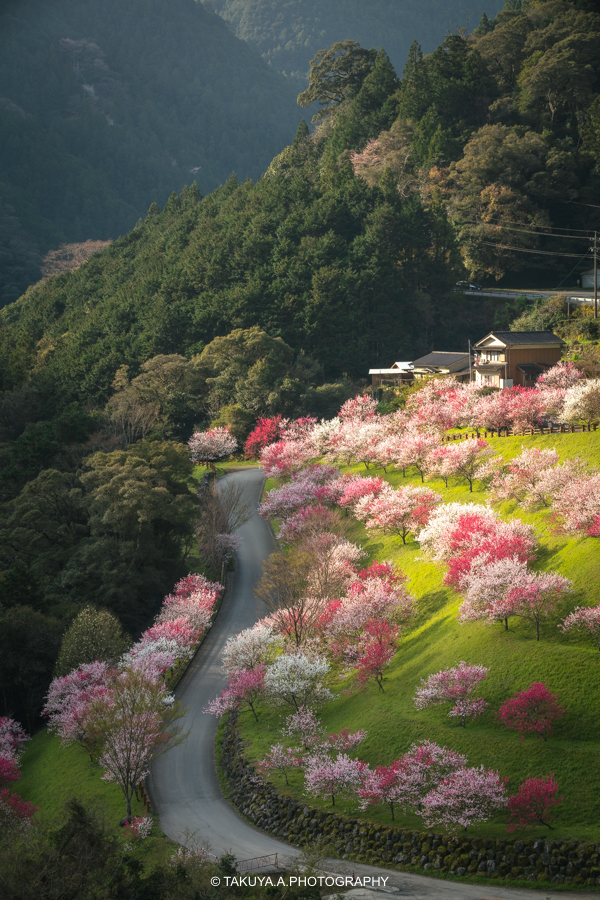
(258,862)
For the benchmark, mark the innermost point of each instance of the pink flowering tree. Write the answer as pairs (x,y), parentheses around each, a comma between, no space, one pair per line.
(304,726)
(193,599)
(245,688)
(361,408)
(436,537)
(373,598)
(400,512)
(486,586)
(283,458)
(208,447)
(576,506)
(466,797)
(520,479)
(355,487)
(12,738)
(454,685)
(333,777)
(133,722)
(68,704)
(463,459)
(563,375)
(536,596)
(533,804)
(279,759)
(414,450)
(584,618)
(424,766)
(533,711)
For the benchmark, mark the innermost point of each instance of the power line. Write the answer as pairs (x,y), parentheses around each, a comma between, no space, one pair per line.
(573,237)
(536,252)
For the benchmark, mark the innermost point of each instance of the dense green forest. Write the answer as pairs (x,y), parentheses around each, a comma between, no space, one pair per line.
(289,32)
(276,296)
(106,106)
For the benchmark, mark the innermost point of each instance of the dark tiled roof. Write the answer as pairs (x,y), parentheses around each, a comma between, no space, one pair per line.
(439,358)
(531,367)
(524,337)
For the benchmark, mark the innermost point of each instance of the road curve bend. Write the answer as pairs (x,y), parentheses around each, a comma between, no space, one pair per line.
(183,784)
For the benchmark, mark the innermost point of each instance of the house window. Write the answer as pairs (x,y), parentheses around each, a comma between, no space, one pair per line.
(494,356)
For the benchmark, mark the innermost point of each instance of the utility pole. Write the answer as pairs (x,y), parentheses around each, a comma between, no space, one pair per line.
(470,367)
(595,275)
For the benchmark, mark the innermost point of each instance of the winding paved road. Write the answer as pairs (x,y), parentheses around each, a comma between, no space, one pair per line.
(183,785)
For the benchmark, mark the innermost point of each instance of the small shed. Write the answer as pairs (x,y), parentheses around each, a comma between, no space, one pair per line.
(398,373)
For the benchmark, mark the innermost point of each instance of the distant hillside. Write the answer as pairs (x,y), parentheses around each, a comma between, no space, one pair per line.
(109,105)
(288,33)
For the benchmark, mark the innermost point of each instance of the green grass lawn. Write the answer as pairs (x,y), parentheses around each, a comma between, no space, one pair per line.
(569,664)
(52,774)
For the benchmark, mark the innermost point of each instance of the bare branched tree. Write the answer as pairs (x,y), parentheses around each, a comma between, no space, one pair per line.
(284,590)
(223,509)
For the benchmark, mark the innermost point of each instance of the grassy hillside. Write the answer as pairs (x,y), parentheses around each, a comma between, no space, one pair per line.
(570,665)
(107,106)
(289,32)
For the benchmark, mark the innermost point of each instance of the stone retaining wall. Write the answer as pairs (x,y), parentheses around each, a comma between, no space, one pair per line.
(547,860)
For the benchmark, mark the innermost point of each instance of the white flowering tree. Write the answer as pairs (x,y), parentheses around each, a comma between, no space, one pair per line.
(297,679)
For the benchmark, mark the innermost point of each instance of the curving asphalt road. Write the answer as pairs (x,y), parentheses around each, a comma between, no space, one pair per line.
(183,785)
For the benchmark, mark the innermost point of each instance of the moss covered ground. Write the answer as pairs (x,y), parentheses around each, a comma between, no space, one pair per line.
(569,664)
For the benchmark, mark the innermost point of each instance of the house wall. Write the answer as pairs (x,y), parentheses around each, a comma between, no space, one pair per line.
(548,356)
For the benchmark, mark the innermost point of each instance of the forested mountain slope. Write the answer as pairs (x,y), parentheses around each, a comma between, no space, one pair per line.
(289,32)
(106,106)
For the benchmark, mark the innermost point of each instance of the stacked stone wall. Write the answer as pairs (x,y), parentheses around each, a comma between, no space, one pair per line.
(555,861)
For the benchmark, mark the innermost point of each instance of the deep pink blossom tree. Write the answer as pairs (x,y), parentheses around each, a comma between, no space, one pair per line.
(15,813)
(265,432)
(245,688)
(586,618)
(533,804)
(376,652)
(381,786)
(533,711)
(467,796)
(454,685)
(9,771)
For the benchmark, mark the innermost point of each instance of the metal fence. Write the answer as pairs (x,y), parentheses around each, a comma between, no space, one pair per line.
(258,862)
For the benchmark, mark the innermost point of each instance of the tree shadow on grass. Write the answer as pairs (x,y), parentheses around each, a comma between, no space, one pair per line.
(429,604)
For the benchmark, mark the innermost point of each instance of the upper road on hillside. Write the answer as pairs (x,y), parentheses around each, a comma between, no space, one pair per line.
(183,785)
